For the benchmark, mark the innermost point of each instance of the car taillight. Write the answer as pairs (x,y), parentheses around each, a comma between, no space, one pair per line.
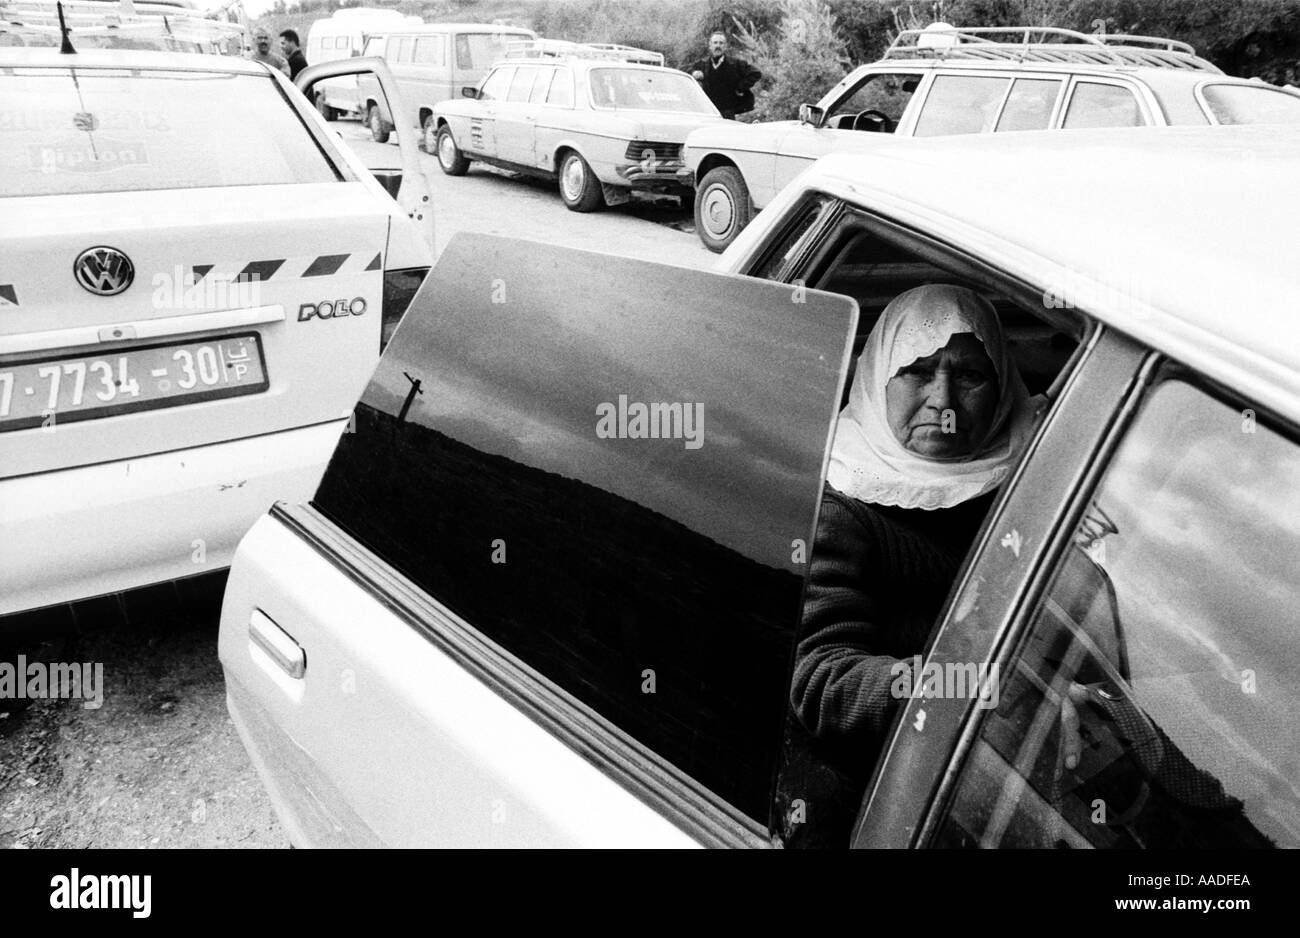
(400,286)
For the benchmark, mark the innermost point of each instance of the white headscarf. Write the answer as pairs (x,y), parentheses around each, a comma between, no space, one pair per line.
(867,461)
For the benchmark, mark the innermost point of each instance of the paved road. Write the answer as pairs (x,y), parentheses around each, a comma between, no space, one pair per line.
(159,763)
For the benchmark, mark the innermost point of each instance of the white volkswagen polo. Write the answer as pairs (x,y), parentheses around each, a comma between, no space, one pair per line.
(194,280)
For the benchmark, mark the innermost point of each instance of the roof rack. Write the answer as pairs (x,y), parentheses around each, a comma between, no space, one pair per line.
(560,49)
(1045,44)
(171,23)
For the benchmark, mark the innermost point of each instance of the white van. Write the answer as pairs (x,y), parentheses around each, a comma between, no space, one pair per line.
(432,63)
(342,36)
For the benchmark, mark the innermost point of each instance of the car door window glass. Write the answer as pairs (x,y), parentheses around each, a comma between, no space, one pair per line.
(429,50)
(1096,105)
(886,93)
(961,104)
(494,88)
(341,42)
(1030,104)
(521,86)
(649,564)
(541,86)
(1168,638)
(561,92)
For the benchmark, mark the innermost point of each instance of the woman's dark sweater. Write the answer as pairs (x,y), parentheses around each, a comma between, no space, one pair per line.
(879,576)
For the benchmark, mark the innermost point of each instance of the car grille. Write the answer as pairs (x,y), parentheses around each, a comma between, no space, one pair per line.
(636,150)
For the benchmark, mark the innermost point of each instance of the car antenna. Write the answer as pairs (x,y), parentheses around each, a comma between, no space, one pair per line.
(66,47)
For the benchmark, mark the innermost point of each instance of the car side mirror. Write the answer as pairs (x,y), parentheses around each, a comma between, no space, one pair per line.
(811,114)
(469,91)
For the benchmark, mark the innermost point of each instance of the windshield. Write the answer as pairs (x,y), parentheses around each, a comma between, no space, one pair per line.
(1250,104)
(104,130)
(644,89)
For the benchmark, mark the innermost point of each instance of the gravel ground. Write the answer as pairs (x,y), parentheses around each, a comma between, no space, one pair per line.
(157,765)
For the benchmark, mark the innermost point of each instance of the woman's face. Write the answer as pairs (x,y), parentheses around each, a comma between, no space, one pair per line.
(942,406)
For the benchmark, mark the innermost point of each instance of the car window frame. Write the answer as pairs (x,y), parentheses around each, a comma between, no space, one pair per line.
(534,71)
(1004,75)
(572,88)
(1147,108)
(511,67)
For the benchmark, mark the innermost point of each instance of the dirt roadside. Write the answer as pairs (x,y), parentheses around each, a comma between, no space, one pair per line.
(157,765)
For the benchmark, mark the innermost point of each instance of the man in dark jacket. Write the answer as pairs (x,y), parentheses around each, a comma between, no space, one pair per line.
(292,52)
(728,81)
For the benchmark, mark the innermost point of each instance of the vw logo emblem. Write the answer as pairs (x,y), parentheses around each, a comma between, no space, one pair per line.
(103,270)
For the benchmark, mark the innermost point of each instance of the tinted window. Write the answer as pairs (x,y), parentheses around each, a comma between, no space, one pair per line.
(1168,637)
(521,85)
(494,89)
(1096,105)
(1244,104)
(888,94)
(1030,104)
(541,86)
(657,579)
(153,130)
(961,104)
(561,91)
(429,50)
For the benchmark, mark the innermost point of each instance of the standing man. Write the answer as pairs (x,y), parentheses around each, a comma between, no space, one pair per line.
(728,81)
(292,52)
(262,52)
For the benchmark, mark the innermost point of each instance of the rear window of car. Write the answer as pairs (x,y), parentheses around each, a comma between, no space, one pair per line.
(647,90)
(118,131)
(1246,104)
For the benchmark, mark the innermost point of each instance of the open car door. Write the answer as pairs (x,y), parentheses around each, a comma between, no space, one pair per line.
(548,590)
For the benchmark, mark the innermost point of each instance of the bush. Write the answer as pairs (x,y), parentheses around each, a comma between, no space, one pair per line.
(800,61)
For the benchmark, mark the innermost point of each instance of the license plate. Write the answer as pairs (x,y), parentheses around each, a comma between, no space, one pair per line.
(63,390)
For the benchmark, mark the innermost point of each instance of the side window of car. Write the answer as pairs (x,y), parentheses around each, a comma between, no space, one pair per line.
(561,93)
(961,104)
(1094,104)
(541,86)
(886,93)
(342,42)
(521,86)
(1030,104)
(495,85)
(1148,702)
(430,50)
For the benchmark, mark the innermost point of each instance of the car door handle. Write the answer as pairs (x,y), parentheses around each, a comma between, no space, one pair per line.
(278,644)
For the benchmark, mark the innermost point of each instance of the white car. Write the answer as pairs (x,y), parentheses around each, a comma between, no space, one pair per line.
(195,278)
(988,80)
(596,119)
(549,592)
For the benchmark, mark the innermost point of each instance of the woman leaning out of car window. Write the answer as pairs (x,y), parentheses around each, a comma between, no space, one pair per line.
(936,418)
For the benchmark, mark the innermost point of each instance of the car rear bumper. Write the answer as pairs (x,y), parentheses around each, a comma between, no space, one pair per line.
(665,175)
(93,530)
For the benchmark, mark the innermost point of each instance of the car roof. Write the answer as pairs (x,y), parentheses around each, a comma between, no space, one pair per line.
(1180,237)
(20,57)
(407,29)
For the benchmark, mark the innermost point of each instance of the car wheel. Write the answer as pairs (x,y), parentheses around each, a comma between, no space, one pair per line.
(722,207)
(378,126)
(327,112)
(450,158)
(579,187)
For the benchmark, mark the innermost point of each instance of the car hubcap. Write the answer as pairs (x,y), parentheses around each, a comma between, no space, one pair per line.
(573,179)
(718,211)
(446,150)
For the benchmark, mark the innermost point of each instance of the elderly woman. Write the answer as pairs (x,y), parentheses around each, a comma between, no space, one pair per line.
(936,418)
